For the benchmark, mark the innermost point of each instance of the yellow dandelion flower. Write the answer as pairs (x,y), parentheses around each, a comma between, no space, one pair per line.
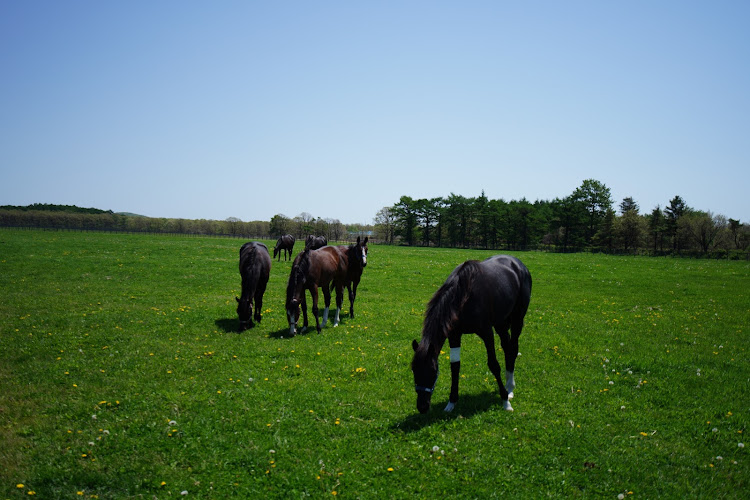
(20,485)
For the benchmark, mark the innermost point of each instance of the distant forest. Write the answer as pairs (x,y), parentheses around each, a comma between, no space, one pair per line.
(586,220)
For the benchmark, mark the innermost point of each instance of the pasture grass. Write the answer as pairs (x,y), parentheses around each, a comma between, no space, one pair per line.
(122,375)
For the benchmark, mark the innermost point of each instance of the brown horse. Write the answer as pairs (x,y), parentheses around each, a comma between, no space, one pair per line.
(356,260)
(284,244)
(476,297)
(255,268)
(312,269)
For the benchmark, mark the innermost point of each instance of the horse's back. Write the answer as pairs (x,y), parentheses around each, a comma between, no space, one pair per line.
(254,256)
(506,282)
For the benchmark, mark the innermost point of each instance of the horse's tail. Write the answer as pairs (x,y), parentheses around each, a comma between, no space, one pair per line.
(445,306)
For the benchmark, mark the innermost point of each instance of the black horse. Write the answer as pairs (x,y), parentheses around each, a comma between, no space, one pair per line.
(315,242)
(313,269)
(356,260)
(284,244)
(255,268)
(476,297)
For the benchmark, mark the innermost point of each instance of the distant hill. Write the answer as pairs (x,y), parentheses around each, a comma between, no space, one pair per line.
(46,207)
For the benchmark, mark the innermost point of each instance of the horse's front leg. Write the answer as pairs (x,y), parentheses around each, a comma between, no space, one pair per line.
(455,358)
(303,305)
(314,293)
(327,302)
(352,295)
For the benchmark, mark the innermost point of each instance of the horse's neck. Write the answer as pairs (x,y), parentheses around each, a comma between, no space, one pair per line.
(433,342)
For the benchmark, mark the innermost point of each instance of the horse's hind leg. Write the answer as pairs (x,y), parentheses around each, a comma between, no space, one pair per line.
(509,342)
(339,303)
(259,302)
(494,366)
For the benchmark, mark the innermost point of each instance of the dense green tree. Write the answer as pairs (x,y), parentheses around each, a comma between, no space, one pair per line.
(280,225)
(657,228)
(673,213)
(406,216)
(628,204)
(596,200)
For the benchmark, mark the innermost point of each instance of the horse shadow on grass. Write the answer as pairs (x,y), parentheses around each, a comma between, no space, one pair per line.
(232,325)
(228,325)
(468,405)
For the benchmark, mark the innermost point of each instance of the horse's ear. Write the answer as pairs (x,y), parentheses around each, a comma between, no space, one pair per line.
(357,240)
(366,238)
(414,345)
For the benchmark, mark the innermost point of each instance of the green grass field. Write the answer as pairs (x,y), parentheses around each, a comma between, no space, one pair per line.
(122,376)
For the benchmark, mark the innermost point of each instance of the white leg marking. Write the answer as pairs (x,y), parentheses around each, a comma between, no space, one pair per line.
(449,407)
(325,317)
(507,406)
(510,383)
(336,319)
(455,354)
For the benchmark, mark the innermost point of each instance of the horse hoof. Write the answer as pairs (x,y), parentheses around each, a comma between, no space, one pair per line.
(449,407)
(510,395)
(507,406)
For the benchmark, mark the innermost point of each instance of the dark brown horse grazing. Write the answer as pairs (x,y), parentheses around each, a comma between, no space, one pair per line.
(284,244)
(356,260)
(315,242)
(255,267)
(312,269)
(476,297)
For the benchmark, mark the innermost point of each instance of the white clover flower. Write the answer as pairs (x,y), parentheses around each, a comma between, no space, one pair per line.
(172,422)
(740,445)
(435,449)
(183,492)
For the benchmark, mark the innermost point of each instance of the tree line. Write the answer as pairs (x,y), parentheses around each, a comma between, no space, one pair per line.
(71,217)
(585,220)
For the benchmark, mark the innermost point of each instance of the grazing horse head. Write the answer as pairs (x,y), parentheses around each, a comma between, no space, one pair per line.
(255,268)
(244,312)
(295,289)
(426,371)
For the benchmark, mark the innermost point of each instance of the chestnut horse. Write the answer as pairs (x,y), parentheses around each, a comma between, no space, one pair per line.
(255,267)
(476,297)
(312,269)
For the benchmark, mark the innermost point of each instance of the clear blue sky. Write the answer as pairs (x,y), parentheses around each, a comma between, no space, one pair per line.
(336,108)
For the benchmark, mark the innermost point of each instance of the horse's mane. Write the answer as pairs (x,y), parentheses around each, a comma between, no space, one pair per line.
(445,306)
(299,272)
